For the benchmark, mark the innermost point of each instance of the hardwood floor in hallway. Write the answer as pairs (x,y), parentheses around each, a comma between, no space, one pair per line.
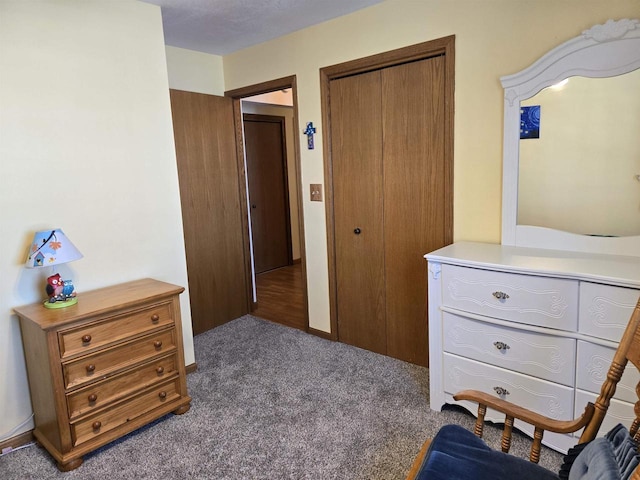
(281,297)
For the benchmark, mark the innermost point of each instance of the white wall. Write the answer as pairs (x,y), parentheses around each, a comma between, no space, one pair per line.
(493,38)
(86,145)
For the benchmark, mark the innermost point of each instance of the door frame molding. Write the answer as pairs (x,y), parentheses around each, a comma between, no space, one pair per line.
(444,46)
(237,95)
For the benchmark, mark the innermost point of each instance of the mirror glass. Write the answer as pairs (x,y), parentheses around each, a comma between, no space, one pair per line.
(581,173)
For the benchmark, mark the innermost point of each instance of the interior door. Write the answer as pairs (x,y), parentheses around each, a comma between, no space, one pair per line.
(212,220)
(356,133)
(265,151)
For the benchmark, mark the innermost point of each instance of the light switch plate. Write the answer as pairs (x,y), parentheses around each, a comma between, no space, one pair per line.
(316,192)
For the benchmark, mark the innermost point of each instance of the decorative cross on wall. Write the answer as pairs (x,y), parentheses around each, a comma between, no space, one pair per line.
(309,131)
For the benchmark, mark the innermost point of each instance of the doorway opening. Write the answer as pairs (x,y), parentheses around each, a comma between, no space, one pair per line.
(270,180)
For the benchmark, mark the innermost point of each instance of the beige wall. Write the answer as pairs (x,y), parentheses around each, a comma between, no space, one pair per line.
(493,38)
(194,71)
(86,145)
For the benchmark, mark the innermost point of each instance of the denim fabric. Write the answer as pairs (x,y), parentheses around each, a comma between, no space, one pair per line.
(613,457)
(457,454)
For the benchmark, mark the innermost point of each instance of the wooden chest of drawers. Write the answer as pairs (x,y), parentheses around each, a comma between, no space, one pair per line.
(104,367)
(536,327)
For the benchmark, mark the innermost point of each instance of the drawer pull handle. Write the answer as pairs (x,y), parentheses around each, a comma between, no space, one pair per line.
(92,398)
(162,395)
(86,338)
(91,368)
(157,343)
(501,391)
(155,317)
(500,295)
(96,425)
(160,370)
(501,346)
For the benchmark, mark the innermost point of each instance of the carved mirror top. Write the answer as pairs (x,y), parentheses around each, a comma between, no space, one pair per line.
(607,50)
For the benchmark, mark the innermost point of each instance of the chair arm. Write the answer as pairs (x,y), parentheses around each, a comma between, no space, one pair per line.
(521,413)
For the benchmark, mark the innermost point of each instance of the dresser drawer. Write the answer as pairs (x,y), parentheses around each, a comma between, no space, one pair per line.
(618,412)
(85,430)
(550,399)
(544,356)
(109,361)
(543,301)
(89,337)
(593,365)
(102,393)
(605,310)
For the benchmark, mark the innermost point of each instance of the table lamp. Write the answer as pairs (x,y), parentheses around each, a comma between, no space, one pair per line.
(50,248)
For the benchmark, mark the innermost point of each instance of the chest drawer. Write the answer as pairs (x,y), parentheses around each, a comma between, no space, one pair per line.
(101,423)
(89,337)
(544,356)
(605,310)
(593,365)
(534,300)
(99,394)
(546,398)
(618,412)
(109,361)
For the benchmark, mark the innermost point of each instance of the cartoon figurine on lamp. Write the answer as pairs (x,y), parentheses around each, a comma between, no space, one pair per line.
(59,290)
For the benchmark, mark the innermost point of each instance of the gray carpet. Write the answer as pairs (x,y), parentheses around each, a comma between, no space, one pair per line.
(270,402)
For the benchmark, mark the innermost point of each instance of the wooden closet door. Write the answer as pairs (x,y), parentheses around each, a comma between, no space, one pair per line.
(414,164)
(356,133)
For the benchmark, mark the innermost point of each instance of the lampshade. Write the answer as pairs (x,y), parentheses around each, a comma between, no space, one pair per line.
(51,247)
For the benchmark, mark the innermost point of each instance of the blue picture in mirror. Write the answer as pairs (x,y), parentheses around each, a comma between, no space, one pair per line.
(530,122)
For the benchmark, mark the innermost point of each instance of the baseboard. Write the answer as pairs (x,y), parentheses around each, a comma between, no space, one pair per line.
(321,334)
(17,441)
(191,368)
(297,261)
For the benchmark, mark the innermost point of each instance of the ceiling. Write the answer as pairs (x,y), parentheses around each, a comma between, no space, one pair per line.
(221,27)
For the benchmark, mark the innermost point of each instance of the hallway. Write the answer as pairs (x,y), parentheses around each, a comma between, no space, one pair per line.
(281,296)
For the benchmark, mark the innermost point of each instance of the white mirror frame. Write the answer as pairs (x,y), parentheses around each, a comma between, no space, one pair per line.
(602,51)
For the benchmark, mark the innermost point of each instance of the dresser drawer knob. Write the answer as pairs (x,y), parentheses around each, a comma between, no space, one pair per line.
(157,343)
(160,370)
(96,425)
(162,395)
(501,346)
(86,338)
(500,295)
(501,391)
(91,368)
(92,398)
(155,317)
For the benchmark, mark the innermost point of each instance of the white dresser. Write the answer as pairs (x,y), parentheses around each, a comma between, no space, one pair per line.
(533,326)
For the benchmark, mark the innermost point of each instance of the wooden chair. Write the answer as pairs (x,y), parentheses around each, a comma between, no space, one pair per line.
(628,351)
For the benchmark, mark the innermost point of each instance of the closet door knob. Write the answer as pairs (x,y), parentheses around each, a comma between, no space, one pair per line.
(357,231)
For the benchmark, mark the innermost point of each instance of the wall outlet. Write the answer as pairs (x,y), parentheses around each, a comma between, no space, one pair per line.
(316,192)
